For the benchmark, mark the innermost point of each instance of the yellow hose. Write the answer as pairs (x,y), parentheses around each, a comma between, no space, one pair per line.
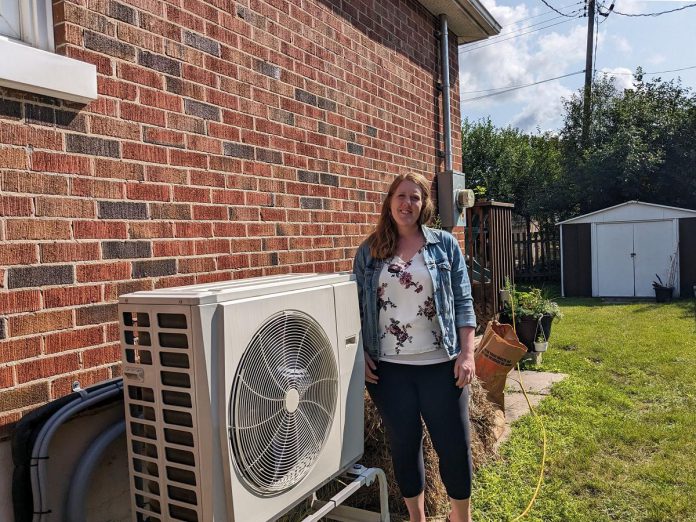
(536,416)
(543,455)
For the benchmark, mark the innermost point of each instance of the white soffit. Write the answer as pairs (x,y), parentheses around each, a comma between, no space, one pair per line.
(29,69)
(631,211)
(468,19)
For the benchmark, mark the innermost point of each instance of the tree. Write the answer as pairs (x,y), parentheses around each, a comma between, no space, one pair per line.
(509,165)
(642,145)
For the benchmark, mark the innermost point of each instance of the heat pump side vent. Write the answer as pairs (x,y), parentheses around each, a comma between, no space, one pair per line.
(141,414)
(177,391)
(161,416)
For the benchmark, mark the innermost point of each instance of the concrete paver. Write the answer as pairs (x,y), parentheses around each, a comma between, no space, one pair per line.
(536,384)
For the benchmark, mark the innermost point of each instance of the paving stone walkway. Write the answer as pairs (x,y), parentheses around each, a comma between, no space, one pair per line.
(536,384)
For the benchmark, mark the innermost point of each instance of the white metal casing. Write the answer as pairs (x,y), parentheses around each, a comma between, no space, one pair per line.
(224,315)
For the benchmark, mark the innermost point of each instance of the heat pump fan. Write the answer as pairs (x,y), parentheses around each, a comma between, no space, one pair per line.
(242,398)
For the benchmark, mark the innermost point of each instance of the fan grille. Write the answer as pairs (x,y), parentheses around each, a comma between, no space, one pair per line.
(283,401)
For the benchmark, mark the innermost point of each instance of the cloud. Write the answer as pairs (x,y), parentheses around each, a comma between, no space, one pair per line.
(623,77)
(564,48)
(618,43)
(499,62)
(656,59)
(634,6)
(508,15)
(543,109)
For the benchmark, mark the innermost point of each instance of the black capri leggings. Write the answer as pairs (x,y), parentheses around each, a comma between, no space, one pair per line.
(403,395)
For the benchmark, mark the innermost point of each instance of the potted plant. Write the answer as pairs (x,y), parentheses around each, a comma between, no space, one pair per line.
(541,344)
(664,291)
(534,313)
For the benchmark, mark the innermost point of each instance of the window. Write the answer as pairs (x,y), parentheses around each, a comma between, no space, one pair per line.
(9,19)
(27,21)
(28,62)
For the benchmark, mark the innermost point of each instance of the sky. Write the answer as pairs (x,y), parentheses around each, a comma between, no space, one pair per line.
(556,45)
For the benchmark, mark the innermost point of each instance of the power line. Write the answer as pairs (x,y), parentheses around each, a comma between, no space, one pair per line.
(544,13)
(517,30)
(525,27)
(655,14)
(649,73)
(508,87)
(517,87)
(493,39)
(556,10)
(462,51)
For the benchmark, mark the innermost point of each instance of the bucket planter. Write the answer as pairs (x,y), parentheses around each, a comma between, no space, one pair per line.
(541,346)
(533,315)
(529,329)
(663,294)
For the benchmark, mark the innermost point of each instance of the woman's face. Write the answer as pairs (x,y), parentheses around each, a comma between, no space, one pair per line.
(406,204)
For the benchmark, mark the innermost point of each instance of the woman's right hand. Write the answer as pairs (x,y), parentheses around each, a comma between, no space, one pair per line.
(370,368)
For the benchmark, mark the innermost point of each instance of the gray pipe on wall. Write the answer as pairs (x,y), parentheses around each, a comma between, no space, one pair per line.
(444,64)
(40,455)
(79,485)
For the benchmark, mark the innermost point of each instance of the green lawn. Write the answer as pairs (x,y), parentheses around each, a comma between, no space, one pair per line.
(621,428)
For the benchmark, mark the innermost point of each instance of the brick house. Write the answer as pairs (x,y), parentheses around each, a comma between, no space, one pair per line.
(152,143)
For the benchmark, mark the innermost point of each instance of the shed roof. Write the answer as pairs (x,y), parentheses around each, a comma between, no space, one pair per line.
(468,19)
(631,211)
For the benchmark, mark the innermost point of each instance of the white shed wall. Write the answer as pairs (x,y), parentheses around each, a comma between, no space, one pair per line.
(654,231)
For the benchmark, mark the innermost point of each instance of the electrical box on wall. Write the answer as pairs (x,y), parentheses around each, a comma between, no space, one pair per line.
(453,198)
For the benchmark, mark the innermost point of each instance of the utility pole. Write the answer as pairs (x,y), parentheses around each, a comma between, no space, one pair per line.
(587,102)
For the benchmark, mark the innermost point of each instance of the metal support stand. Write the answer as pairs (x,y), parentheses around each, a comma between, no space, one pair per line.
(332,509)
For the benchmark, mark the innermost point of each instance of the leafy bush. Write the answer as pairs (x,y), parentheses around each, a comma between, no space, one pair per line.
(531,303)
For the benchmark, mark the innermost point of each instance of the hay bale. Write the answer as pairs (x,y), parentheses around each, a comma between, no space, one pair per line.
(482,416)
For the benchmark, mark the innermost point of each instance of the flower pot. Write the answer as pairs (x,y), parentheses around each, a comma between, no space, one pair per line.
(541,346)
(663,294)
(526,328)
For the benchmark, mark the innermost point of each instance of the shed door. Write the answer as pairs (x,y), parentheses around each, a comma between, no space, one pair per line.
(614,259)
(630,254)
(653,243)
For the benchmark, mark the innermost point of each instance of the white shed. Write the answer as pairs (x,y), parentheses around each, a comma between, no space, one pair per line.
(616,251)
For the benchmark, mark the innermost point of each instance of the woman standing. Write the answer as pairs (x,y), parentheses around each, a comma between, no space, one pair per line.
(418,335)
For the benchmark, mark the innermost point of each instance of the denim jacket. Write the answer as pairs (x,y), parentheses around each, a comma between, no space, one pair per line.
(451,288)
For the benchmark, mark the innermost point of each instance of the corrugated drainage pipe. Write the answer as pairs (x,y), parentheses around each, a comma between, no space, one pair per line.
(79,485)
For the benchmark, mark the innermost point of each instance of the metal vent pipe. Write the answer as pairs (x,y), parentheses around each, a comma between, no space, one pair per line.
(444,64)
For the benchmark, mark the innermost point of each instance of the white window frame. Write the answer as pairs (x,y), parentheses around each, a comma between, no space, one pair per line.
(37,23)
(31,65)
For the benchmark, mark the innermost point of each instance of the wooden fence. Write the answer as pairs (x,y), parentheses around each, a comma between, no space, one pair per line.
(488,248)
(537,256)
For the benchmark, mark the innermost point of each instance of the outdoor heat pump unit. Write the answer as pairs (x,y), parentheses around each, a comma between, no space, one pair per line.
(243,397)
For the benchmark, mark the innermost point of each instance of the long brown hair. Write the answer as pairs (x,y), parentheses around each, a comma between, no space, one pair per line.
(383,241)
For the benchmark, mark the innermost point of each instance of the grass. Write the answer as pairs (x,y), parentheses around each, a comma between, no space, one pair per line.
(621,429)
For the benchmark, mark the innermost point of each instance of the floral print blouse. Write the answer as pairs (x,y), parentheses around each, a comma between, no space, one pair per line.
(407,317)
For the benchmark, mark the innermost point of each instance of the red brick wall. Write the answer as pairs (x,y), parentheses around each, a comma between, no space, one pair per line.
(230,139)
